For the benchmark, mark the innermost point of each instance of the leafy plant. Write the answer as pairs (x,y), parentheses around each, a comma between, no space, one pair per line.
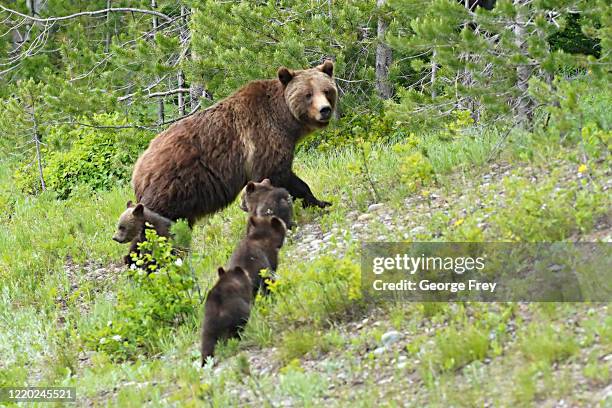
(157,297)
(96,158)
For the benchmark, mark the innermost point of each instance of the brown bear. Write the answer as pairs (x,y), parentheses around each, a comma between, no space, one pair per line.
(227,309)
(258,250)
(201,163)
(263,199)
(133,223)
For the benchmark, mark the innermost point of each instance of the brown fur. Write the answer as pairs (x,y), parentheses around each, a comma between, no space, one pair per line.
(258,250)
(227,309)
(200,164)
(132,225)
(263,199)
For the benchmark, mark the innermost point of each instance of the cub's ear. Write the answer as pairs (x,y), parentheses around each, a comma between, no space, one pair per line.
(129,204)
(278,225)
(138,210)
(250,187)
(327,67)
(284,75)
(266,182)
(221,271)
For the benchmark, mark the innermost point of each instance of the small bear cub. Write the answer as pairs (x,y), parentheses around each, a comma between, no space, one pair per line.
(263,199)
(132,224)
(258,250)
(227,308)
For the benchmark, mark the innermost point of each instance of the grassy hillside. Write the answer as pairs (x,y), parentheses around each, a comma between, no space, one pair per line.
(316,341)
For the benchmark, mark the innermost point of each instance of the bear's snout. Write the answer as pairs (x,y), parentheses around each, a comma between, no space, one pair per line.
(325,112)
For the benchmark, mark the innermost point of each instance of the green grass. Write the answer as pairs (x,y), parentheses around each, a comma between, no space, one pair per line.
(305,334)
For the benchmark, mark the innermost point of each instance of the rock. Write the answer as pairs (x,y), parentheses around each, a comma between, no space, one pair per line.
(380,351)
(375,207)
(316,243)
(390,337)
(364,217)
(417,230)
(401,366)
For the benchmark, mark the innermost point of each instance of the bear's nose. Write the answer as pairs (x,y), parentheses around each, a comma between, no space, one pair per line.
(325,112)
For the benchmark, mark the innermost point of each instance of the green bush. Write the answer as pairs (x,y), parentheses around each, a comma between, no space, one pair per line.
(371,126)
(159,295)
(96,158)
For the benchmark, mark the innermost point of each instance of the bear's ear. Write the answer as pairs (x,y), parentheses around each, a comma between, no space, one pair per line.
(266,182)
(138,210)
(129,204)
(221,271)
(250,187)
(278,225)
(284,75)
(327,68)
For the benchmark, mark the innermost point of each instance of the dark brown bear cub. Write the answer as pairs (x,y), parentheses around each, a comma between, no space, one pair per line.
(132,224)
(227,309)
(258,250)
(263,199)
(200,164)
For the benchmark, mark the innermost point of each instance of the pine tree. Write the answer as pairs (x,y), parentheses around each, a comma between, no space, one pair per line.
(483,60)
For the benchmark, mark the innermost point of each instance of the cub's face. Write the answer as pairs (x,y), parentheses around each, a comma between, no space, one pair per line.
(130,223)
(263,199)
(311,93)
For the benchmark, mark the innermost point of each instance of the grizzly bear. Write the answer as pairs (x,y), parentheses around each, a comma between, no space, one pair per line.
(201,163)
(263,199)
(258,250)
(227,309)
(133,223)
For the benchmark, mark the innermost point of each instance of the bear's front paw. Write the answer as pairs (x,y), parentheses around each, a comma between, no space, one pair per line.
(316,203)
(323,204)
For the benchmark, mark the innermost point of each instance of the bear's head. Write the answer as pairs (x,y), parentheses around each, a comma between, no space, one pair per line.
(232,283)
(263,199)
(310,94)
(270,231)
(130,224)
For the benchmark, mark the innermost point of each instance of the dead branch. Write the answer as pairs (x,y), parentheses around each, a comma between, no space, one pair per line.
(87,13)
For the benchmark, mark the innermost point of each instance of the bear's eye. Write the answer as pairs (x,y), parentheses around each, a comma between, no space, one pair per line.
(121,228)
(309,95)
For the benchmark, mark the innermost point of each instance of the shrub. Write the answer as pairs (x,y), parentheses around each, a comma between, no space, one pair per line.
(154,301)
(96,158)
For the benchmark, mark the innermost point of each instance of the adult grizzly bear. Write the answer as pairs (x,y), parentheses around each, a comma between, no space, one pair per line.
(200,164)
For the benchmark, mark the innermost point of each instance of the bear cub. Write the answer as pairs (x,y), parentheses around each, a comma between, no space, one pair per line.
(227,309)
(263,199)
(258,250)
(132,224)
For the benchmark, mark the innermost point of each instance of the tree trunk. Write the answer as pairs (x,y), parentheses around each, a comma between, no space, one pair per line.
(107,40)
(184,34)
(383,57)
(524,104)
(160,102)
(434,70)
